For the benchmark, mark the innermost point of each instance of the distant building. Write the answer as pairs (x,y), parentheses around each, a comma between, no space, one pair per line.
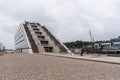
(34,38)
(115,39)
(2,47)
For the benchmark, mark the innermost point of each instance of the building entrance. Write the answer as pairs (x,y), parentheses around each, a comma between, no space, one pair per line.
(48,49)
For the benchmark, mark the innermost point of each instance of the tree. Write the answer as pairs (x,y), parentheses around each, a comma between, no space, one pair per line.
(78,44)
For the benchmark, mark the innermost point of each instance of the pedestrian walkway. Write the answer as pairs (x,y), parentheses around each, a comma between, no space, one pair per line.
(41,67)
(90,57)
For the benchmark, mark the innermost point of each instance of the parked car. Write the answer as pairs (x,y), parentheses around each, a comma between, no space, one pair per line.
(9,52)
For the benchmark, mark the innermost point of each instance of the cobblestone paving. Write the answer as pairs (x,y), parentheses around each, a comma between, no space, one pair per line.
(40,67)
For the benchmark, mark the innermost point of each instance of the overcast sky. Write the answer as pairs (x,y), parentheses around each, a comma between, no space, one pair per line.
(69,20)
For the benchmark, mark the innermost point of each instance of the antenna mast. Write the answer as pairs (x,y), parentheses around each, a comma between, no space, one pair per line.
(91,38)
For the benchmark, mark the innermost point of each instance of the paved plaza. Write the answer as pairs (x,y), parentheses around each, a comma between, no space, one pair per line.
(41,67)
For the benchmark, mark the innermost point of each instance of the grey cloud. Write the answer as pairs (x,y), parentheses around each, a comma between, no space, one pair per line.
(68,19)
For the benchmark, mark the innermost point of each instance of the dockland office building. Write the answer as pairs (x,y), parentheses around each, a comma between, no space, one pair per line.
(31,37)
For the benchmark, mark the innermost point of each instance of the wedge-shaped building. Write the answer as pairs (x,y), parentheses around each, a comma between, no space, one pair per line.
(2,47)
(34,38)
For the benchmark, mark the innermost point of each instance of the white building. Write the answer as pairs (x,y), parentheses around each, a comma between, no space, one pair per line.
(34,38)
(21,40)
(2,47)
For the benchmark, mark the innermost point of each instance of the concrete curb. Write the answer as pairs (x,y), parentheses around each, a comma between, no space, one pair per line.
(62,56)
